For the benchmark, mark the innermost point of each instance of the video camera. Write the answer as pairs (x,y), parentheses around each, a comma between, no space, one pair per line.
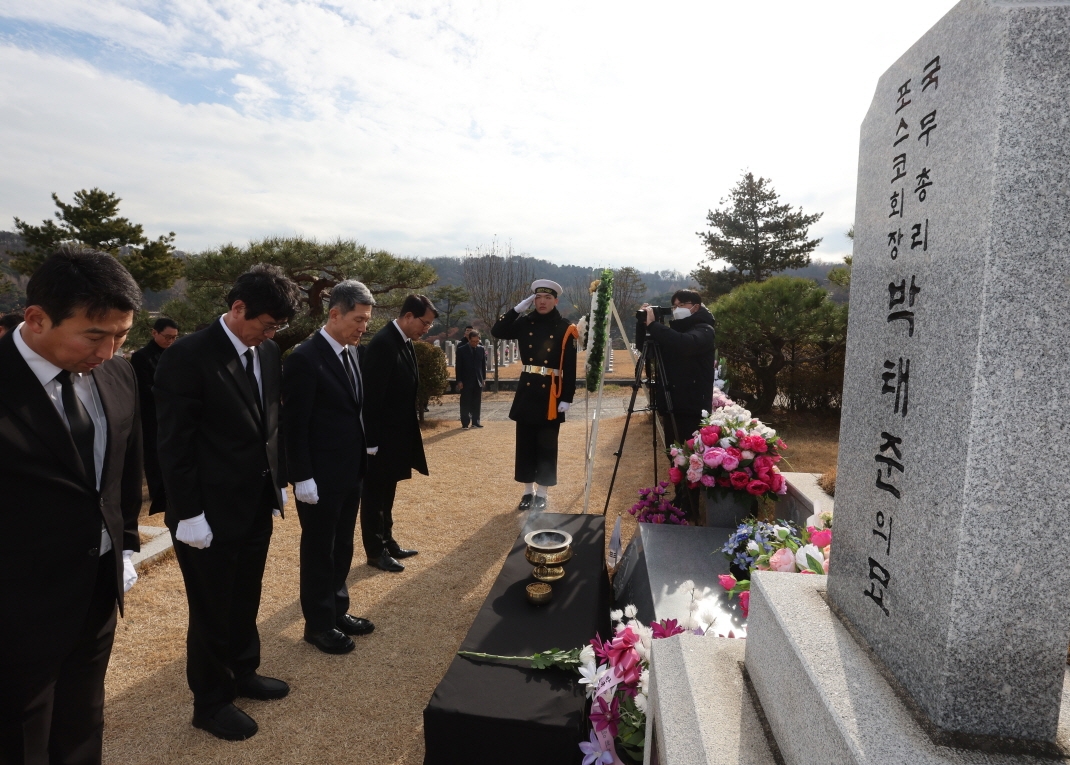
(660,314)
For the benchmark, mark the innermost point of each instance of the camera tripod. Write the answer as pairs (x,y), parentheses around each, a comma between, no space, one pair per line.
(652,363)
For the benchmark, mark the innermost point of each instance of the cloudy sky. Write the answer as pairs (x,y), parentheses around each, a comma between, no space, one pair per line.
(593,133)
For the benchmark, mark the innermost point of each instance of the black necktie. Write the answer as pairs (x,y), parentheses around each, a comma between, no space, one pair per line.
(81,424)
(347,362)
(250,372)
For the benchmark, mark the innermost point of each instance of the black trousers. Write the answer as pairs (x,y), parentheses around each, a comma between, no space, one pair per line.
(52,713)
(536,452)
(691,501)
(377,514)
(327,530)
(153,475)
(223,585)
(471,400)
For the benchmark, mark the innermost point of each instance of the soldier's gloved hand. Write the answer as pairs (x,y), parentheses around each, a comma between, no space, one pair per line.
(563,406)
(372,451)
(307,491)
(525,304)
(195,532)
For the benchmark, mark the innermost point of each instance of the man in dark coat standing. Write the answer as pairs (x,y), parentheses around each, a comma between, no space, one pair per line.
(471,376)
(70,467)
(546,387)
(144,361)
(392,427)
(217,405)
(689,353)
(323,393)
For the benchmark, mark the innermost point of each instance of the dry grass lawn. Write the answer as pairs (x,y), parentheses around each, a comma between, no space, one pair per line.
(364,707)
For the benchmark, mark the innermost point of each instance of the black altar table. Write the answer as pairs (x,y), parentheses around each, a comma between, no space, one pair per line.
(490,712)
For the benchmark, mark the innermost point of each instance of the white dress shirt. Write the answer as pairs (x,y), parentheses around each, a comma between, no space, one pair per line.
(241,348)
(86,389)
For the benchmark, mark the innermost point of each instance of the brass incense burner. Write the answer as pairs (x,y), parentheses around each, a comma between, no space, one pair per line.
(548,550)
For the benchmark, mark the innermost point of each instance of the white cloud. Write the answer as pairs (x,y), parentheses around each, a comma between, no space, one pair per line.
(590,133)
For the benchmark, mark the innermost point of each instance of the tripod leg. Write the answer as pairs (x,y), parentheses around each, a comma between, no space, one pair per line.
(636,385)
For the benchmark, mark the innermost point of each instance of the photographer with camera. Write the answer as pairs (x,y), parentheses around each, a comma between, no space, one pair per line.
(689,359)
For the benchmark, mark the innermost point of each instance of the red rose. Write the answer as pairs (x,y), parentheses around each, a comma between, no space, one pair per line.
(757,488)
(734,452)
(744,602)
(675,475)
(711,434)
(739,479)
(723,480)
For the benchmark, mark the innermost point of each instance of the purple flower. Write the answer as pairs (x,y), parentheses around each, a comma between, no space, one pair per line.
(605,716)
(592,752)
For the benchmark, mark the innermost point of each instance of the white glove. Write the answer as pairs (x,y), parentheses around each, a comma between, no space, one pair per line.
(129,575)
(524,304)
(306,491)
(195,532)
(563,406)
(285,496)
(373,450)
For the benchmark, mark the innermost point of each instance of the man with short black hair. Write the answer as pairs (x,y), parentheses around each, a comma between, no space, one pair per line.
(323,392)
(144,361)
(9,321)
(217,405)
(392,427)
(471,375)
(70,468)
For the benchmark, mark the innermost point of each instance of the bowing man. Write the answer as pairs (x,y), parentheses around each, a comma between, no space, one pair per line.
(322,391)
(217,409)
(70,467)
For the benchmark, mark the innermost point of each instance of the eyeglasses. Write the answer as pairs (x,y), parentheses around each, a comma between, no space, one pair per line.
(427,324)
(269,328)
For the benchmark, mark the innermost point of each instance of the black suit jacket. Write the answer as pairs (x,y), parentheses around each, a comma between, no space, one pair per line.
(144,361)
(215,450)
(324,431)
(471,364)
(391,421)
(50,509)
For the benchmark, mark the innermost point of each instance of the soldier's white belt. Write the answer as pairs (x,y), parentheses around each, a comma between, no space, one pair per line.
(548,371)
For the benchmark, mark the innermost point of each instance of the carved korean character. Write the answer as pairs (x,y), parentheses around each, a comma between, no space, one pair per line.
(901,376)
(930,77)
(890,463)
(923,183)
(928,125)
(899,167)
(902,132)
(919,236)
(895,238)
(879,576)
(897,200)
(903,101)
(886,535)
(897,295)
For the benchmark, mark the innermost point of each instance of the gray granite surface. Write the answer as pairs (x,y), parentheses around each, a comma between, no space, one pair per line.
(953,571)
(699,711)
(825,699)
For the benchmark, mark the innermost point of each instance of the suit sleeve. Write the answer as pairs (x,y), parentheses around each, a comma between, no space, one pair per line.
(178,391)
(461,367)
(505,328)
(130,488)
(377,364)
(699,340)
(298,400)
(144,372)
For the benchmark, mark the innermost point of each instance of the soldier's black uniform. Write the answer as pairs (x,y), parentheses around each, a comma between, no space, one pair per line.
(539,337)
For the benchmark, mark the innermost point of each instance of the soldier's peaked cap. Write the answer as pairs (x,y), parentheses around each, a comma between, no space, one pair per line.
(545,285)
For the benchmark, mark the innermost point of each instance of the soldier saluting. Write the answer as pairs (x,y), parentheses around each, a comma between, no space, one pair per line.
(547,385)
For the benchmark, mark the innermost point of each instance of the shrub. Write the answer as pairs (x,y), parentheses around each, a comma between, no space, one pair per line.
(434,378)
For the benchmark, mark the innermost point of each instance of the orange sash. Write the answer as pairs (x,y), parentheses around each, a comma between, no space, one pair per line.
(558,383)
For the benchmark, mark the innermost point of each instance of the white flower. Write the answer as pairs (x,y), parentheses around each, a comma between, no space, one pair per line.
(630,611)
(752,547)
(705,414)
(814,520)
(587,654)
(644,682)
(725,442)
(615,616)
(640,702)
(591,677)
(747,454)
(621,626)
(813,551)
(687,585)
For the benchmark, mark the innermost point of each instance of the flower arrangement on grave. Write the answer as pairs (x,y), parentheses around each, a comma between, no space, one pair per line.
(598,329)
(615,674)
(732,451)
(654,507)
(760,546)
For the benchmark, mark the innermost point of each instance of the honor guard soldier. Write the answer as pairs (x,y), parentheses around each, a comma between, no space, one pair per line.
(547,385)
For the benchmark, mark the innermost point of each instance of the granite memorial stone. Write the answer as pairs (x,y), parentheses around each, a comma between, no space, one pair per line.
(951,493)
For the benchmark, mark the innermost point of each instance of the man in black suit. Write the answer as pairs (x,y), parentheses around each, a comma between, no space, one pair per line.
(471,375)
(144,361)
(322,392)
(392,427)
(217,407)
(70,468)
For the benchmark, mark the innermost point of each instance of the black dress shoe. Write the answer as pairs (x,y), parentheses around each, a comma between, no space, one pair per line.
(539,503)
(229,723)
(354,625)
(256,686)
(385,563)
(331,641)
(525,502)
(477,425)
(397,552)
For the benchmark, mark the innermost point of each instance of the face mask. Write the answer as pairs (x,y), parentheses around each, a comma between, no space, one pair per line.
(681,313)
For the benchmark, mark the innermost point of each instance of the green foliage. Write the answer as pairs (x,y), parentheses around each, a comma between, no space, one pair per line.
(434,378)
(554,658)
(841,277)
(764,327)
(315,266)
(631,729)
(93,220)
(756,234)
(447,298)
(598,326)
